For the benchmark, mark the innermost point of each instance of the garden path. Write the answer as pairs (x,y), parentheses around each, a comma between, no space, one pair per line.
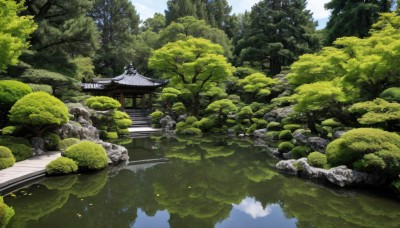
(26,170)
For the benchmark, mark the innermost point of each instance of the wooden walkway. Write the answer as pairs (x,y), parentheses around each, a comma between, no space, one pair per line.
(26,170)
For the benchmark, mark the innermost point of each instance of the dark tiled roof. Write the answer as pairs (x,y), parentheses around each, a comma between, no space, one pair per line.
(92,86)
(132,78)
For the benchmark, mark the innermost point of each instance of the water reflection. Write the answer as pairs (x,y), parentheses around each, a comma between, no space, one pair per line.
(210,181)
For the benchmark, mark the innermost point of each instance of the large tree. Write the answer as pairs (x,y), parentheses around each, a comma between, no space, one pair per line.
(118,22)
(279,32)
(193,66)
(353,17)
(14,32)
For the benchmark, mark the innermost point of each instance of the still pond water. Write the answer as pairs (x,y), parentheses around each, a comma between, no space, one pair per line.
(207,182)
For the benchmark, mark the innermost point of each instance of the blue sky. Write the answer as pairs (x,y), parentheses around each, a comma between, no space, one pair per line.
(147,8)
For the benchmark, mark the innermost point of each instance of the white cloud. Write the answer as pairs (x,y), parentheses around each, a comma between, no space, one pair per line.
(317,8)
(253,208)
(143,10)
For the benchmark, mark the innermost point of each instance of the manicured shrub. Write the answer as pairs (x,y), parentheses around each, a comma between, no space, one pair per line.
(61,166)
(156,116)
(331,123)
(391,94)
(51,141)
(123,131)
(20,147)
(245,113)
(65,143)
(191,120)
(39,110)
(179,108)
(299,152)
(102,103)
(367,149)
(274,126)
(190,126)
(205,124)
(9,130)
(6,213)
(6,158)
(285,147)
(11,91)
(87,155)
(110,135)
(292,127)
(285,135)
(317,159)
(122,119)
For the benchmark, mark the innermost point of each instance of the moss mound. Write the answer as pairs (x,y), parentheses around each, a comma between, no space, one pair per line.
(285,135)
(285,147)
(51,141)
(300,152)
(317,159)
(61,166)
(87,155)
(65,143)
(6,158)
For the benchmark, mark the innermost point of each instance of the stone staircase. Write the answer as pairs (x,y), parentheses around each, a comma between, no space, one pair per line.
(139,118)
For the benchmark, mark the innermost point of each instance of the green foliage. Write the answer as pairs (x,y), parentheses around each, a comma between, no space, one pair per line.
(84,68)
(285,147)
(123,131)
(191,120)
(317,159)
(292,127)
(285,135)
(14,32)
(6,158)
(87,155)
(170,94)
(251,129)
(222,108)
(102,103)
(391,94)
(300,152)
(11,91)
(156,117)
(65,143)
(53,79)
(257,84)
(9,130)
(273,134)
(367,149)
(51,141)
(191,131)
(331,123)
(179,108)
(376,111)
(273,126)
(245,113)
(191,126)
(6,212)
(20,147)
(205,124)
(110,135)
(39,110)
(194,65)
(39,87)
(61,166)
(122,120)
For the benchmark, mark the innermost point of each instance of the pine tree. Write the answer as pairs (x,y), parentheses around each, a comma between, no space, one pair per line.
(353,18)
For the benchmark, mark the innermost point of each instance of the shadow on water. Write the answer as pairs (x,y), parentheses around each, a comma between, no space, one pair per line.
(209,181)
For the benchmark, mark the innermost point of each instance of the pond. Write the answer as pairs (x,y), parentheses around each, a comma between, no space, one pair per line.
(208,182)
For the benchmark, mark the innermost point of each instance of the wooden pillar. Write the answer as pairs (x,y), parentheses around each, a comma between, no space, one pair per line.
(133,101)
(143,102)
(151,102)
(122,101)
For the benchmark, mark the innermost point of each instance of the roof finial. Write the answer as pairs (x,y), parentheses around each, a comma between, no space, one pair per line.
(130,69)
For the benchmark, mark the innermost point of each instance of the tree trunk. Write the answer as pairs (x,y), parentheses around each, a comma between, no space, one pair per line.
(275,66)
(196,104)
(311,122)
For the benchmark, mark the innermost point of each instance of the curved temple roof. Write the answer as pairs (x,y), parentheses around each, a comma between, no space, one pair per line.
(130,78)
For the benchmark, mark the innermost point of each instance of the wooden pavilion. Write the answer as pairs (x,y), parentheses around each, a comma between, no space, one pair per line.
(129,85)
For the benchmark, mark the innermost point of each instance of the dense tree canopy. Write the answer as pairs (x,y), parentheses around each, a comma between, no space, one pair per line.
(14,32)
(353,18)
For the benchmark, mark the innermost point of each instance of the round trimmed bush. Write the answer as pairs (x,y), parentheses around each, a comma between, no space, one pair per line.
(38,109)
(285,135)
(179,108)
(156,117)
(123,131)
(51,141)
(191,120)
(102,103)
(11,91)
(110,135)
(6,212)
(20,147)
(61,166)
(122,119)
(331,123)
(6,158)
(300,152)
(65,143)
(285,147)
(274,126)
(317,159)
(9,130)
(391,94)
(87,155)
(366,149)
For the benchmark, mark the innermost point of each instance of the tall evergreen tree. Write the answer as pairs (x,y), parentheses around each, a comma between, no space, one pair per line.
(279,32)
(353,17)
(118,22)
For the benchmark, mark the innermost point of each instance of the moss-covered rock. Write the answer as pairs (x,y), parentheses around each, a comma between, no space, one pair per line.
(51,141)
(274,126)
(285,135)
(292,127)
(300,152)
(6,158)
(273,134)
(109,135)
(65,143)
(285,147)
(61,166)
(331,123)
(317,159)
(87,155)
